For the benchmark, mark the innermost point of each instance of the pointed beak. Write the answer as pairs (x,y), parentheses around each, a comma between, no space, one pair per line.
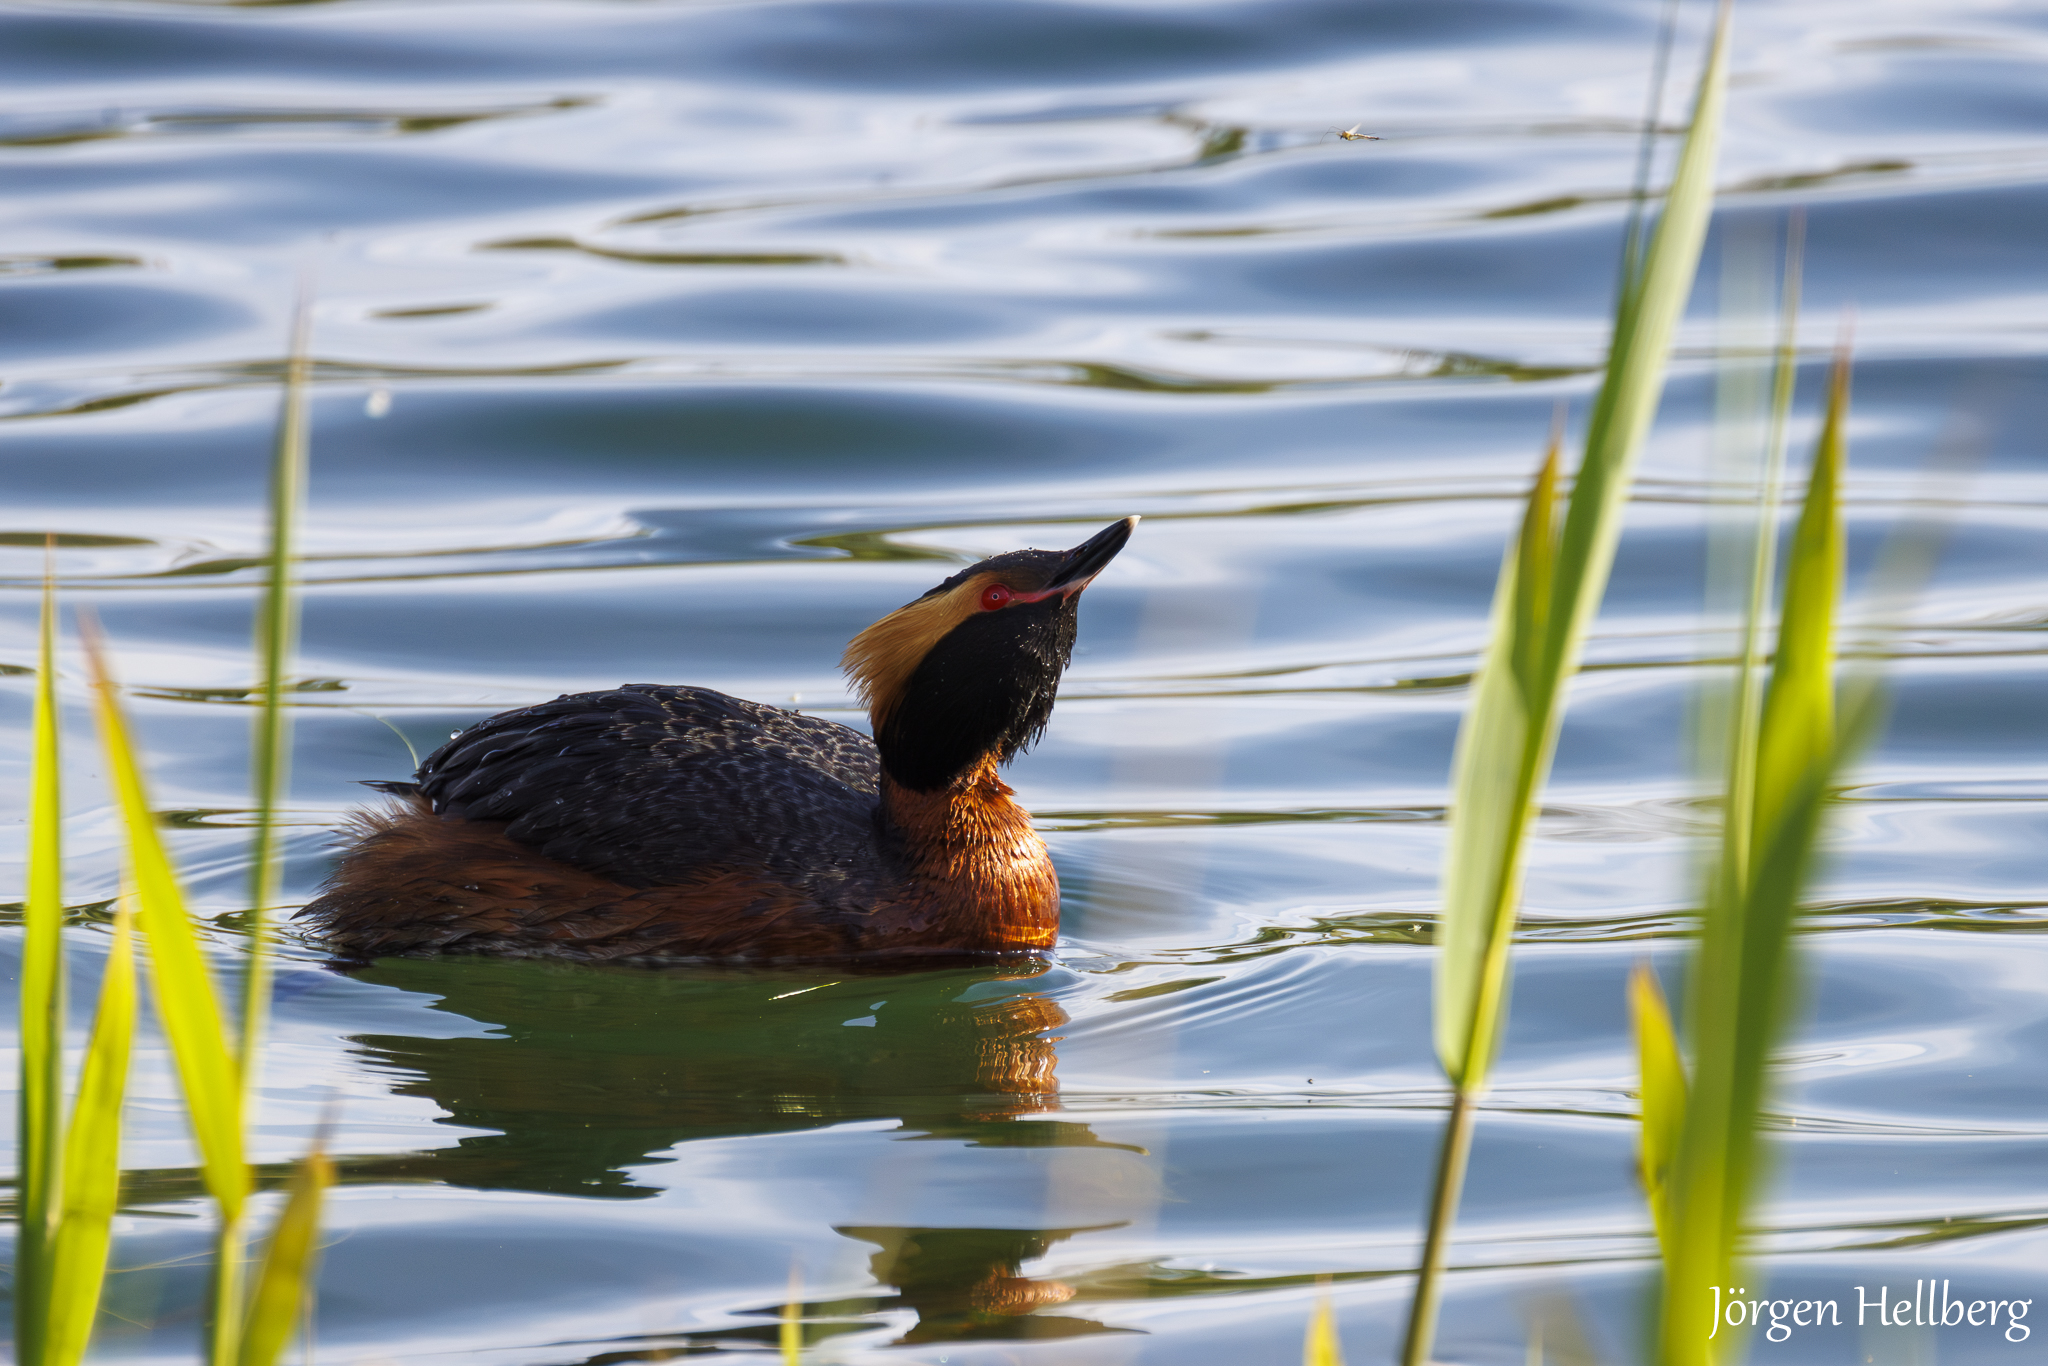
(1089,558)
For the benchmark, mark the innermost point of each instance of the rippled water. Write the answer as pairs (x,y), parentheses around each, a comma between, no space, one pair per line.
(677,341)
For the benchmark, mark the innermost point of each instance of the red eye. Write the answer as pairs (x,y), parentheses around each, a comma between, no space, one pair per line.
(994,596)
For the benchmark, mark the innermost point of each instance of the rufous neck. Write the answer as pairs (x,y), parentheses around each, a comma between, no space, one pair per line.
(977,861)
(967,814)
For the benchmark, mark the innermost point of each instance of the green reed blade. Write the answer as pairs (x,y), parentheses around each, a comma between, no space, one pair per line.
(1740,987)
(1535,552)
(1495,770)
(1634,380)
(1321,1348)
(276,640)
(289,1266)
(277,635)
(1798,723)
(1510,732)
(1494,792)
(790,1337)
(1646,147)
(186,1005)
(39,1112)
(92,1161)
(1663,1094)
(1746,711)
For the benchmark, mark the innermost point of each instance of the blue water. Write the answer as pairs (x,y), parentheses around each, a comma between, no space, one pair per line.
(676,341)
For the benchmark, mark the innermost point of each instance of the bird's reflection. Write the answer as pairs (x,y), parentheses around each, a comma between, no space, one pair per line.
(964,1282)
(595,1070)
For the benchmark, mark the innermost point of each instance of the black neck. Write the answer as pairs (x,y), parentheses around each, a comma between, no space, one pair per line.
(984,691)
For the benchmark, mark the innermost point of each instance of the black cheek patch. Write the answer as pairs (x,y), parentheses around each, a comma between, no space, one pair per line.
(985,689)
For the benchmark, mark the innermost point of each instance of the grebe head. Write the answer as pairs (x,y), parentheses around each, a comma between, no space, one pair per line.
(969,670)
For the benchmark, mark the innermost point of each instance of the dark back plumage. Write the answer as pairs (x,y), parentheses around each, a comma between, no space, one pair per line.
(645,783)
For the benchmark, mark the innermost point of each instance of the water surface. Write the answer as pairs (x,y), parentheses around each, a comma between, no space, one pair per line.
(677,341)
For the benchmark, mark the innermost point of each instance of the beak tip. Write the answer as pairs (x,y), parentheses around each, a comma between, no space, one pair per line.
(1087,559)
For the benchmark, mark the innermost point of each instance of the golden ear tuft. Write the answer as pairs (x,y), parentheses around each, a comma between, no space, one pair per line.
(881,659)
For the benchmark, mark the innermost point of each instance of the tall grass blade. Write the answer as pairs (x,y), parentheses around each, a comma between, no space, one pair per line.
(1798,724)
(92,1162)
(1663,1094)
(790,1335)
(1751,408)
(1740,986)
(1496,772)
(277,635)
(1634,381)
(39,1113)
(1637,356)
(1646,151)
(1510,733)
(185,1001)
(289,1266)
(1493,751)
(1494,792)
(1321,1348)
(1739,814)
